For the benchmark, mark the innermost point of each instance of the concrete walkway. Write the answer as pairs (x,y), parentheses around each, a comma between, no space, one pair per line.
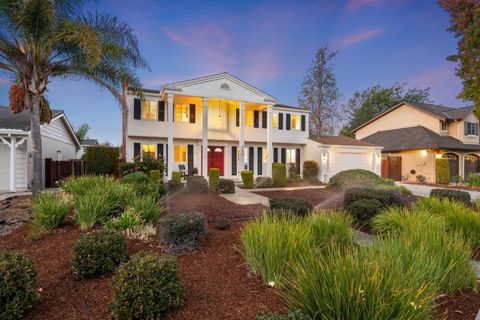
(285,189)
(424,191)
(244,197)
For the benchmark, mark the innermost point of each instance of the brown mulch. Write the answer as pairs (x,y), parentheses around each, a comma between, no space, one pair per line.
(463,305)
(216,281)
(323,198)
(14,212)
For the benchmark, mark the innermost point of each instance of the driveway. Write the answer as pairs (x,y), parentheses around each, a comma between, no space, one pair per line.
(424,191)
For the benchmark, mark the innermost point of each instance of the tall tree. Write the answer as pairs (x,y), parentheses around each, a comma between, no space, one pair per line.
(365,105)
(465,24)
(45,39)
(81,132)
(319,94)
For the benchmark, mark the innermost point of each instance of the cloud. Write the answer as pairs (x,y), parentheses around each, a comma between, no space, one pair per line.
(355,5)
(4,81)
(357,37)
(261,64)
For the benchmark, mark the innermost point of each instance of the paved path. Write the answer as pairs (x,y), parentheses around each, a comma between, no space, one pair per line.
(424,191)
(5,196)
(243,197)
(285,189)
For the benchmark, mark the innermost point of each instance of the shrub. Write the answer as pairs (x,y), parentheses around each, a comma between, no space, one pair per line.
(279,174)
(358,178)
(18,285)
(473,180)
(213,178)
(177,176)
(222,223)
(147,208)
(146,287)
(457,195)
(78,186)
(387,197)
(182,233)
(49,209)
(263,182)
(295,206)
(442,171)
(197,184)
(148,189)
(421,179)
(363,210)
(155,175)
(296,315)
(247,179)
(136,178)
(173,186)
(101,159)
(310,170)
(129,219)
(94,207)
(226,186)
(293,171)
(144,164)
(397,220)
(98,253)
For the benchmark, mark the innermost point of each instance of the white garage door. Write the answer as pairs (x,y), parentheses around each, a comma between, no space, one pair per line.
(4,167)
(340,161)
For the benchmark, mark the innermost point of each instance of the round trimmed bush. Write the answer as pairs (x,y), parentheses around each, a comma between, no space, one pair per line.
(98,253)
(146,287)
(310,169)
(363,210)
(264,182)
(136,178)
(226,186)
(295,206)
(18,285)
(197,184)
(181,233)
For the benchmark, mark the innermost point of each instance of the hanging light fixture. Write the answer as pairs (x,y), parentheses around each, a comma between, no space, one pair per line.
(219,115)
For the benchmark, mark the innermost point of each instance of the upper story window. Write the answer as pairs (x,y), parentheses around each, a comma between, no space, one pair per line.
(249,118)
(148,150)
(295,122)
(149,109)
(275,121)
(182,112)
(444,126)
(471,128)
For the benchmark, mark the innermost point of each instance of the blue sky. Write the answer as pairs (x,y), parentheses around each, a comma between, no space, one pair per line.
(271,44)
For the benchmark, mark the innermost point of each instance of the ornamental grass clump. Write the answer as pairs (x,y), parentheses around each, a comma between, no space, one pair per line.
(94,207)
(49,209)
(79,186)
(182,233)
(147,208)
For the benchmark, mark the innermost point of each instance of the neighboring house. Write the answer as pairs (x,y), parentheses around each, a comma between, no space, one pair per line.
(219,121)
(84,145)
(58,142)
(414,134)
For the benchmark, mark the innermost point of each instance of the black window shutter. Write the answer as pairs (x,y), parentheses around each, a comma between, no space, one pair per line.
(284,156)
(190,158)
(161,110)
(288,119)
(192,113)
(136,149)
(159,150)
(237,117)
(259,161)
(234,160)
(303,122)
(264,119)
(297,160)
(137,112)
(280,121)
(251,151)
(255,118)
(275,155)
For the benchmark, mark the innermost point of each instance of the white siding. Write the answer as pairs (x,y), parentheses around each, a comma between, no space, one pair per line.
(4,167)
(21,168)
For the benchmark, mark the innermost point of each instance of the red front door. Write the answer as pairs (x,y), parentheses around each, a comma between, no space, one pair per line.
(215,158)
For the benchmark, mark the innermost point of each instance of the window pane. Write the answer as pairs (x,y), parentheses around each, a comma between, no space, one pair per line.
(149,109)
(295,122)
(181,112)
(275,121)
(249,118)
(180,153)
(148,149)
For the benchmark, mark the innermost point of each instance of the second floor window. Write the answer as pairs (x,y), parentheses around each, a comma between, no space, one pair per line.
(295,122)
(275,121)
(471,129)
(181,112)
(444,126)
(249,118)
(149,110)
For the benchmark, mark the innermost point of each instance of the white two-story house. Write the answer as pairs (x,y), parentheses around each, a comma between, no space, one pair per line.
(219,121)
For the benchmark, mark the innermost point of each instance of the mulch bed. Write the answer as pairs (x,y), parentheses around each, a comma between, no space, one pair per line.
(323,198)
(14,212)
(462,305)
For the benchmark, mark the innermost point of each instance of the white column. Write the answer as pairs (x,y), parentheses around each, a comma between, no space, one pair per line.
(170,114)
(205,137)
(269,140)
(324,166)
(241,146)
(13,164)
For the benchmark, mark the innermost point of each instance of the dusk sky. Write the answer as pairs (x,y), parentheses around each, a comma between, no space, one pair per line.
(271,44)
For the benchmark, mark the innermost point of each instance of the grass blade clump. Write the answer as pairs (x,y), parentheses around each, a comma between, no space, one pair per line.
(395,220)
(147,208)
(50,209)
(94,207)
(79,186)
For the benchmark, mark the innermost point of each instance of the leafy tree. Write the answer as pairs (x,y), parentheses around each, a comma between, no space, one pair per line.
(319,94)
(365,105)
(81,132)
(45,39)
(465,24)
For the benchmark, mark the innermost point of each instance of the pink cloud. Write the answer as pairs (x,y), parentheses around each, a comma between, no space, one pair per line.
(357,37)
(355,5)
(261,64)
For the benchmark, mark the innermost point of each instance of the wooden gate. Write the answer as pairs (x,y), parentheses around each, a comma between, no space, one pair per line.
(392,168)
(55,171)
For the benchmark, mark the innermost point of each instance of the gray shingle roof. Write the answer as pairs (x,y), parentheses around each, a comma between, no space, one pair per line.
(415,138)
(341,141)
(19,121)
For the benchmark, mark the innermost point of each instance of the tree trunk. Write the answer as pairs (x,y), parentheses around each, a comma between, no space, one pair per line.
(36,137)
(124,120)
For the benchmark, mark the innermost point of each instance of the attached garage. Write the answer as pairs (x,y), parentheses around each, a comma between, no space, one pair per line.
(339,153)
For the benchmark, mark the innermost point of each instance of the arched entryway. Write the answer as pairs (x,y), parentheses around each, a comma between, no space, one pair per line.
(472,164)
(453,162)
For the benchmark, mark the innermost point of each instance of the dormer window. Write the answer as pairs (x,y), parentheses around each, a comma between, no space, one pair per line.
(444,126)
(471,129)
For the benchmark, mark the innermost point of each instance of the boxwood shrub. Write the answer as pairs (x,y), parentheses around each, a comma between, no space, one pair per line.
(363,210)
(173,186)
(387,197)
(442,171)
(177,176)
(213,178)
(310,170)
(197,184)
(226,186)
(358,178)
(101,159)
(136,178)
(182,233)
(146,287)
(247,179)
(457,195)
(473,180)
(98,253)
(263,182)
(18,285)
(155,175)
(279,175)
(295,206)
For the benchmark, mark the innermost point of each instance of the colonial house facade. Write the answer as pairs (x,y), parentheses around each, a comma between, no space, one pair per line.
(217,121)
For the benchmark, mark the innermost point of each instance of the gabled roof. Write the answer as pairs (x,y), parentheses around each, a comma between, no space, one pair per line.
(416,138)
(441,112)
(89,142)
(341,141)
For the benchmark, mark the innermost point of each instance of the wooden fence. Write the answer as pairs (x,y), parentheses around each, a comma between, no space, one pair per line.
(55,171)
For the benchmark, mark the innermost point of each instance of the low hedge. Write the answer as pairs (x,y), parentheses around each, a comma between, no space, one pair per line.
(146,287)
(226,186)
(98,253)
(213,178)
(197,184)
(247,179)
(135,178)
(295,206)
(442,171)
(177,176)
(386,197)
(358,178)
(279,175)
(310,169)
(363,210)
(182,233)
(101,159)
(457,195)
(18,285)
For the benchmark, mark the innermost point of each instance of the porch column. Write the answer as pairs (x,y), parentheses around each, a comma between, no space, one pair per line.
(205,137)
(13,164)
(269,140)
(170,113)
(241,143)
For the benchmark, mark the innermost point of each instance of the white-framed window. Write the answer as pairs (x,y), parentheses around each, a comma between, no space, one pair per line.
(249,118)
(296,122)
(444,126)
(275,121)
(182,112)
(149,110)
(291,156)
(149,149)
(471,129)
(245,155)
(180,153)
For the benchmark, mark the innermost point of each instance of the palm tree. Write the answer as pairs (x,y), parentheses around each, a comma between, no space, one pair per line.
(45,39)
